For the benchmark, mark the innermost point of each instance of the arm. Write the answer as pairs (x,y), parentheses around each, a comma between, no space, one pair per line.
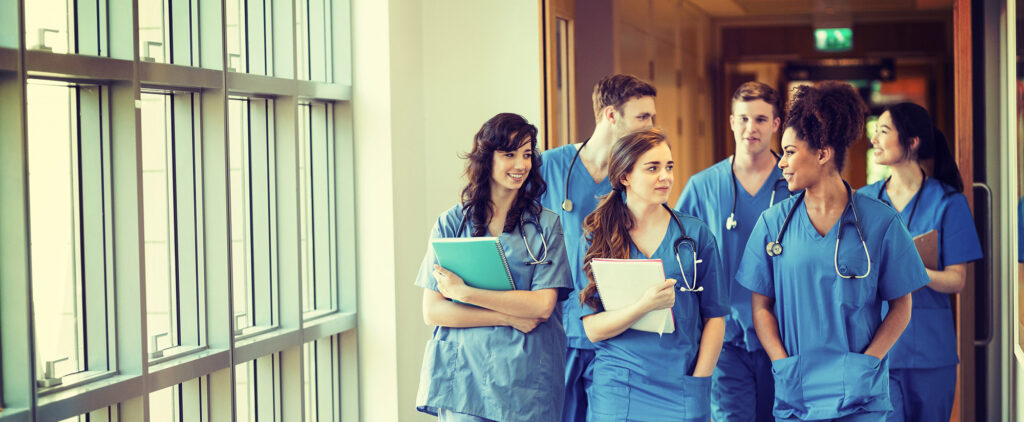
(605,325)
(520,303)
(951,280)
(891,328)
(710,346)
(440,312)
(767,326)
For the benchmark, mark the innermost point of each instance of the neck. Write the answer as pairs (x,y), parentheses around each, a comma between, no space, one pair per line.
(599,146)
(828,194)
(502,200)
(906,176)
(746,162)
(642,211)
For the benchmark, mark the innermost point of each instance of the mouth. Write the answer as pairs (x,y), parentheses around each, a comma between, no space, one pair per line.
(663,189)
(752,139)
(516,177)
(787,176)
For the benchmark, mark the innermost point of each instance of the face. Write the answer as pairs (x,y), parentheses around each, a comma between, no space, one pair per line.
(637,114)
(651,178)
(886,142)
(510,168)
(801,165)
(753,124)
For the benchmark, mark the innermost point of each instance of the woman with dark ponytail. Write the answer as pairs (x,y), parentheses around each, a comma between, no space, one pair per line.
(640,375)
(821,264)
(922,367)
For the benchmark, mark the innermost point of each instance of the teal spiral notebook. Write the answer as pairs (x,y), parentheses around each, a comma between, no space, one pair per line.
(480,261)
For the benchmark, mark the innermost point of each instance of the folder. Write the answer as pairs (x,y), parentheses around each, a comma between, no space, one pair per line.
(480,261)
(928,247)
(621,282)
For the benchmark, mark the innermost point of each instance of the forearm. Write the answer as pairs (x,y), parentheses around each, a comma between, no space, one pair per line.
(520,303)
(767,327)
(892,327)
(444,313)
(950,280)
(605,325)
(710,346)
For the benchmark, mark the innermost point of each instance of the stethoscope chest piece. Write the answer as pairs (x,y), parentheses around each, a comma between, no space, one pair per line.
(567,205)
(730,223)
(773,249)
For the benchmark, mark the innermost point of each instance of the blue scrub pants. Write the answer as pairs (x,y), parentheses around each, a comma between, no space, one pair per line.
(922,394)
(859,417)
(579,375)
(445,415)
(742,387)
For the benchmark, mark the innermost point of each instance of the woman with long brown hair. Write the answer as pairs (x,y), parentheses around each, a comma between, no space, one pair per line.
(639,375)
(498,355)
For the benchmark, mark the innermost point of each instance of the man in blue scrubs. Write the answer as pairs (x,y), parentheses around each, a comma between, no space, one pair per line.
(729,196)
(576,175)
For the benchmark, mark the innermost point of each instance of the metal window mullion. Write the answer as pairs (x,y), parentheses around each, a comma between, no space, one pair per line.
(247,204)
(331,205)
(94,236)
(179,31)
(273,299)
(266,406)
(78,234)
(324,379)
(190,399)
(185,217)
(317,46)
(320,200)
(268,38)
(261,212)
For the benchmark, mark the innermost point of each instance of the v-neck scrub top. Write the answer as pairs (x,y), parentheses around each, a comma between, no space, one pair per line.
(826,321)
(498,372)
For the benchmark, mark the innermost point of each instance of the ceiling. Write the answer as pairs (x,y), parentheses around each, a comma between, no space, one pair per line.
(818,8)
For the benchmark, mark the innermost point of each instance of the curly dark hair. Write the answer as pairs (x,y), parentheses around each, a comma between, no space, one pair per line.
(828,115)
(616,90)
(503,132)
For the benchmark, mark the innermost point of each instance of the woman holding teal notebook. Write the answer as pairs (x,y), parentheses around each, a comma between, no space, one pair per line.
(498,355)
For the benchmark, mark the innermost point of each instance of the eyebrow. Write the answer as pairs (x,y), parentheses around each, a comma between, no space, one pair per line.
(885,126)
(659,162)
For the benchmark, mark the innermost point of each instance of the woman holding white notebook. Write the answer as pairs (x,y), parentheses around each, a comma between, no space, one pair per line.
(498,355)
(641,375)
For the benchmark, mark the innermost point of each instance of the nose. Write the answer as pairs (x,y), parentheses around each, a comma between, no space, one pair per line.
(783,163)
(520,162)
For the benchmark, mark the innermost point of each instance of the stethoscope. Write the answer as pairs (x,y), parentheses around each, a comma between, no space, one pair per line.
(775,248)
(567,203)
(683,238)
(917,196)
(543,260)
(730,223)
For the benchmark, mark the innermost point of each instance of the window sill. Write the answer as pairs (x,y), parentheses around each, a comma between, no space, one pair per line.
(328,325)
(14,415)
(266,343)
(89,397)
(175,353)
(74,381)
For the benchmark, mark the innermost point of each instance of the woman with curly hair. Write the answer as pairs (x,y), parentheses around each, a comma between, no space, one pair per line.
(820,265)
(498,355)
(640,375)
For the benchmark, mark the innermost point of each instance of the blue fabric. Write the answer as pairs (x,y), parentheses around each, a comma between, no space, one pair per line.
(930,339)
(642,376)
(708,195)
(579,375)
(445,415)
(584,195)
(825,321)
(922,394)
(742,388)
(498,372)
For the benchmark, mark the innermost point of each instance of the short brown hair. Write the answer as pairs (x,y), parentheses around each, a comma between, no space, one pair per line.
(617,90)
(752,90)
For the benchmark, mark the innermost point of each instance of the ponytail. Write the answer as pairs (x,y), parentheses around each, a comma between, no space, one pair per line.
(945,168)
(912,121)
(607,229)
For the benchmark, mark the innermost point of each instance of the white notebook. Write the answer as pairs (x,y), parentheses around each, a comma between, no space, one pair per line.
(621,282)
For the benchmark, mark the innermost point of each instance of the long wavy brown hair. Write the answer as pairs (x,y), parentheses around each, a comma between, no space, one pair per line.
(503,132)
(607,228)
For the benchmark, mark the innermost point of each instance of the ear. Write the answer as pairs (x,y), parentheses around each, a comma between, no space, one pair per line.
(624,180)
(776,123)
(609,114)
(732,120)
(915,142)
(825,155)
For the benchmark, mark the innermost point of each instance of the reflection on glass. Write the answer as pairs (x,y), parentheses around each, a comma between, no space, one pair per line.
(245,392)
(238,118)
(309,381)
(153,31)
(308,285)
(163,405)
(55,228)
(49,26)
(234,15)
(159,230)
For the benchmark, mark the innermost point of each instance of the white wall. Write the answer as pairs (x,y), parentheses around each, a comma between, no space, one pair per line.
(426,76)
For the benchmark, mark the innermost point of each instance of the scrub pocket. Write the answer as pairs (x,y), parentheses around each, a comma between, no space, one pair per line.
(442,361)
(697,398)
(865,383)
(789,395)
(609,394)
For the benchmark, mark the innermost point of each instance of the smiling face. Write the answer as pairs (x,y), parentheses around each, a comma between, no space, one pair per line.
(753,124)
(637,114)
(651,178)
(886,142)
(801,164)
(510,168)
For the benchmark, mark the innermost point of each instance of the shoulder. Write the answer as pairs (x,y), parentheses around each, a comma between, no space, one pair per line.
(778,212)
(693,226)
(942,193)
(558,154)
(871,190)
(710,174)
(450,219)
(876,213)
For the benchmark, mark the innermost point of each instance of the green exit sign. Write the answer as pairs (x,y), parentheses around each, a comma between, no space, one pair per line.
(833,39)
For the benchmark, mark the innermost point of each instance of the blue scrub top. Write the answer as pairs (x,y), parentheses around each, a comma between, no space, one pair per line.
(826,321)
(655,370)
(584,195)
(708,195)
(930,339)
(498,372)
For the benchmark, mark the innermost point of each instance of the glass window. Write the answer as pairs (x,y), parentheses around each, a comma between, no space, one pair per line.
(317,199)
(250,25)
(184,402)
(68,229)
(321,379)
(66,26)
(253,238)
(257,392)
(314,32)
(167,33)
(170,212)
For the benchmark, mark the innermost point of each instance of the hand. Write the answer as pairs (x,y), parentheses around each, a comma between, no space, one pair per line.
(525,325)
(659,297)
(449,284)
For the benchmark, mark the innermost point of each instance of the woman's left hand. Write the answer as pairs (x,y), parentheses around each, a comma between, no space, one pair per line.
(449,284)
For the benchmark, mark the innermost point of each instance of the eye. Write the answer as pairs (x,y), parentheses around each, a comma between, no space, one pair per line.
(509,154)
(652,168)
(762,120)
(528,155)
(670,167)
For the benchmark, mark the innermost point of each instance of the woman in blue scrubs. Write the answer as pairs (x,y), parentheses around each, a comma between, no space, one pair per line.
(503,358)
(821,264)
(639,375)
(922,364)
